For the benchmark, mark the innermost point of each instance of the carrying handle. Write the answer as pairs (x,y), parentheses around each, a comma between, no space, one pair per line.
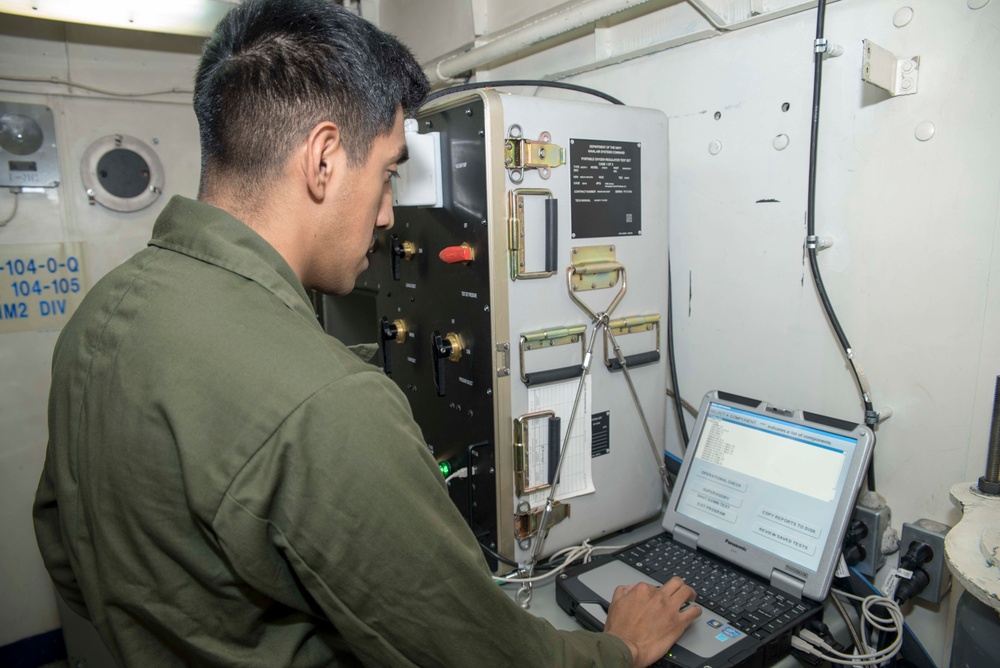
(548,338)
(515,233)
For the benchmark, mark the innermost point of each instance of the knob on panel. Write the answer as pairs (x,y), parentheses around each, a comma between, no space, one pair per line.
(447,347)
(456,254)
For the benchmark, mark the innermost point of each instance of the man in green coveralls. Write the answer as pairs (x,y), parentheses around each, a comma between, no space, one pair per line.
(225,484)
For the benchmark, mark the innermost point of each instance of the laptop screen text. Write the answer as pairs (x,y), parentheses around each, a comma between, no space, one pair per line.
(769,482)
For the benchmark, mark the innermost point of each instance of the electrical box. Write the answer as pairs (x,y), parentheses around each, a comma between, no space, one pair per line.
(552,213)
(933,534)
(28,156)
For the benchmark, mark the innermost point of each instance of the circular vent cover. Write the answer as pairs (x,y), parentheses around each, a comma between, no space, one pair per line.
(121,173)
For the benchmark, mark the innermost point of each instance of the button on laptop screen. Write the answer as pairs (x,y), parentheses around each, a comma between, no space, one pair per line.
(768,482)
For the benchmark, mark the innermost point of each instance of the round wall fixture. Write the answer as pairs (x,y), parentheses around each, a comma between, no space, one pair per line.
(121,173)
(19,134)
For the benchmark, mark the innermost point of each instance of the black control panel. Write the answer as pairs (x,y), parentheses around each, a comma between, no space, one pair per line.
(429,280)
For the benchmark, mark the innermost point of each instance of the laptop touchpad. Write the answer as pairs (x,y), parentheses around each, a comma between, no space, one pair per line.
(707,636)
(603,579)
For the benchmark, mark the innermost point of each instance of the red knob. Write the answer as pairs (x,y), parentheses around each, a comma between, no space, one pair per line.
(453,254)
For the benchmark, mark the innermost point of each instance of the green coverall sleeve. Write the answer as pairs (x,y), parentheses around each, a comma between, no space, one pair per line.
(344,512)
(51,542)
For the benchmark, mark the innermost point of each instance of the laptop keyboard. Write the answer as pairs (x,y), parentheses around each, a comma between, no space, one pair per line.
(752,608)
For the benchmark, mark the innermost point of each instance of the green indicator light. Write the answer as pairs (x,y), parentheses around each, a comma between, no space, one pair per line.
(445,469)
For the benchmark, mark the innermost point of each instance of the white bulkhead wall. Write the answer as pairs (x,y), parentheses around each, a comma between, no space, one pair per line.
(119,61)
(914,222)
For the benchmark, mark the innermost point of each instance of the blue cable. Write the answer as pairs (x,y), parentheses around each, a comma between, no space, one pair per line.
(672,461)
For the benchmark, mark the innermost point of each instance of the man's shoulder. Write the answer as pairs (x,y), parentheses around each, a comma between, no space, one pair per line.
(198,324)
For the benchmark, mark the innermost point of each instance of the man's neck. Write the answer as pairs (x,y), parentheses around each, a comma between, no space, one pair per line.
(273,218)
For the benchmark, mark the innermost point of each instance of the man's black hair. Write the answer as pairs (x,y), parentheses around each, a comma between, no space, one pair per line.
(273,69)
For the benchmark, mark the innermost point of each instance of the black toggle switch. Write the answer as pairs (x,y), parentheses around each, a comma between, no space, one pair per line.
(399,251)
(447,347)
(390,331)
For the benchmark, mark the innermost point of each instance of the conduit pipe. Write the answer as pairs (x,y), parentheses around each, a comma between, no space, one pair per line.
(521,37)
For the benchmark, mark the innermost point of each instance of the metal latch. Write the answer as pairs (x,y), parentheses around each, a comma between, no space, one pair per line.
(520,154)
(526,523)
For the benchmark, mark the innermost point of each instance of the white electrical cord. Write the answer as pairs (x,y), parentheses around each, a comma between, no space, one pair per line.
(575,553)
(13,212)
(460,473)
(93,89)
(810,643)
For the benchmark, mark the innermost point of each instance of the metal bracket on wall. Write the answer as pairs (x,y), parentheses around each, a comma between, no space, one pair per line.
(883,69)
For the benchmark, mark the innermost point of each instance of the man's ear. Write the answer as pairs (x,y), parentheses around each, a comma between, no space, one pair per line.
(323,156)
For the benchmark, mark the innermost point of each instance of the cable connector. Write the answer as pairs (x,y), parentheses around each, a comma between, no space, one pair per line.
(872,418)
(823,631)
(913,579)
(807,653)
(820,45)
(814,639)
(812,241)
(854,553)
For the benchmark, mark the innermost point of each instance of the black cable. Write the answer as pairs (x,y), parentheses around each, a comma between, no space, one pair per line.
(504,560)
(520,82)
(496,555)
(678,405)
(871,464)
(811,223)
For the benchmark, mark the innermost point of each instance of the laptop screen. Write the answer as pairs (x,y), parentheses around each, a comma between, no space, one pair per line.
(768,482)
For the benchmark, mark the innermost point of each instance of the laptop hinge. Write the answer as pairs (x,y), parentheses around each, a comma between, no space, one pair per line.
(787,583)
(685,537)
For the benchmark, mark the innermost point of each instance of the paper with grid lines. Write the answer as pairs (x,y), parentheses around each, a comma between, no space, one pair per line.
(576,477)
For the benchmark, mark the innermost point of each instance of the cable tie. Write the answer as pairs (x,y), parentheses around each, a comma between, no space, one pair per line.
(820,45)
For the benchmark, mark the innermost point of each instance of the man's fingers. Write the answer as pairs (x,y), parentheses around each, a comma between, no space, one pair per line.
(621,590)
(673,585)
(650,619)
(676,589)
(690,613)
(688,593)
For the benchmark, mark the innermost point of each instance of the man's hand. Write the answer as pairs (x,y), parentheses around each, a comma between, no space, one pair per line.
(649,619)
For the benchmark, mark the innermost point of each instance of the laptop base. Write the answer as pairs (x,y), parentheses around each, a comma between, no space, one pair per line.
(719,637)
